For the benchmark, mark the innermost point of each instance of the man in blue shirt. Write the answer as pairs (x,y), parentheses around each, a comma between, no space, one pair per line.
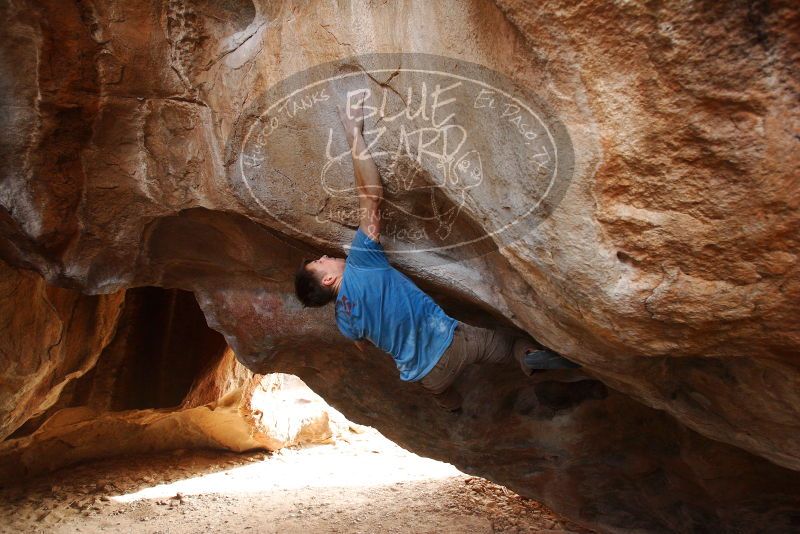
(375,302)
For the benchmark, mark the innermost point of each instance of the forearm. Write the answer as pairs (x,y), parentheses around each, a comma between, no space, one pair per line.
(368,180)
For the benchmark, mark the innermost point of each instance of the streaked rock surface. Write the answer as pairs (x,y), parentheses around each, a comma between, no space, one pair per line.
(669,268)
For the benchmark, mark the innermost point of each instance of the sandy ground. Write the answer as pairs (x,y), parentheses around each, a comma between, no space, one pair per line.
(361,483)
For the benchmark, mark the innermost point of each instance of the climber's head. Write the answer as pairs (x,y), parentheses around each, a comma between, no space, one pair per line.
(317,281)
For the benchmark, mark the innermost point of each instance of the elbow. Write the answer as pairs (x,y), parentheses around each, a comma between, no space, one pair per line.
(376,194)
(372,200)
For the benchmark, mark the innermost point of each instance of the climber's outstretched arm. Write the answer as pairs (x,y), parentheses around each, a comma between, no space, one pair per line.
(368,181)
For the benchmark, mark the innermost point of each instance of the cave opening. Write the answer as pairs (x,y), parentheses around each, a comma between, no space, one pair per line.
(167,345)
(167,421)
(161,347)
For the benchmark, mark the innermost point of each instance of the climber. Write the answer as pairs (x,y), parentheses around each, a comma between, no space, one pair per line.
(376,302)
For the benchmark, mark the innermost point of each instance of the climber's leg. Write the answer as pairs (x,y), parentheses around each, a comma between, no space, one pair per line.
(547,359)
(439,380)
(470,345)
(492,346)
(531,358)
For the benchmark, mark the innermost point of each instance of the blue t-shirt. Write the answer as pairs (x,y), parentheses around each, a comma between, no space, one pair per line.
(379,303)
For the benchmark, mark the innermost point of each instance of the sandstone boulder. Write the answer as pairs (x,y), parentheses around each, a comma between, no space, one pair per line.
(667,265)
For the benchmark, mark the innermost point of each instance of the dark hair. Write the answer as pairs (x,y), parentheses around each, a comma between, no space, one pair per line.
(309,289)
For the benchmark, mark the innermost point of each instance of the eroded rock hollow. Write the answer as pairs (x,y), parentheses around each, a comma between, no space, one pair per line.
(141,164)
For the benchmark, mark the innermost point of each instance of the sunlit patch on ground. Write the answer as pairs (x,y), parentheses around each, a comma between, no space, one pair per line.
(360,483)
(355,481)
(368,462)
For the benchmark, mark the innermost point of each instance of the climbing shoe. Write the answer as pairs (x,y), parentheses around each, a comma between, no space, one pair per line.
(546,360)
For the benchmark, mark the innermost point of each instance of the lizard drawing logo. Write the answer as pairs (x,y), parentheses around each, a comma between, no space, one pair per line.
(434,159)
(469,159)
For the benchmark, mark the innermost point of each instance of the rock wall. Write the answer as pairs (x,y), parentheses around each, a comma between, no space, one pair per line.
(134,372)
(253,415)
(669,267)
(50,337)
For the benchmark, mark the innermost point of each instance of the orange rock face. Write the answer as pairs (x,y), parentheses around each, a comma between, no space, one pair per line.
(140,150)
(133,372)
(51,336)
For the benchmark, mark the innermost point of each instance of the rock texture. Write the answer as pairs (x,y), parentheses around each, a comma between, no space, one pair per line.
(669,268)
(134,372)
(251,416)
(50,337)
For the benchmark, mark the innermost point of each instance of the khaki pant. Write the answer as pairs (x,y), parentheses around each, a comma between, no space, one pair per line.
(471,344)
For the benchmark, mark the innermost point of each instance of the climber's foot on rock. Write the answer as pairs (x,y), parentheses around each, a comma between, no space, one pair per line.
(545,360)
